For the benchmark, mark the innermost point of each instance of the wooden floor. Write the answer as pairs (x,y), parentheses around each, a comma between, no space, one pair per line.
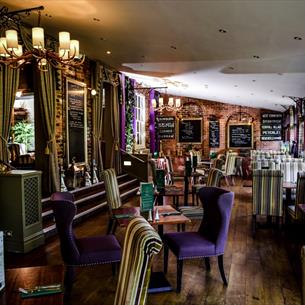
(262,271)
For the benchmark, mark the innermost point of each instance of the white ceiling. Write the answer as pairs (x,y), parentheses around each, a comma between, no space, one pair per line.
(178,44)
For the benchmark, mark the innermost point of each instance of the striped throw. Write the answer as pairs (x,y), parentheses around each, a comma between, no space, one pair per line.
(141,243)
(112,188)
(267,192)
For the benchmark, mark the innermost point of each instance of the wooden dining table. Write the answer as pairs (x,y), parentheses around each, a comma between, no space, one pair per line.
(31,277)
(168,215)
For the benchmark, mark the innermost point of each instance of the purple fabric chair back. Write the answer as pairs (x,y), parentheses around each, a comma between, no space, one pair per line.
(64,212)
(62,196)
(217,204)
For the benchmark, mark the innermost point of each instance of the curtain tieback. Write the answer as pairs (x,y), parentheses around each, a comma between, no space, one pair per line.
(116,145)
(3,139)
(48,148)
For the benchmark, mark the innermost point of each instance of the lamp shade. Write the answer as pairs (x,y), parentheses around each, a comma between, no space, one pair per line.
(178,102)
(11,39)
(3,47)
(74,48)
(160,101)
(38,38)
(64,40)
(154,103)
(171,102)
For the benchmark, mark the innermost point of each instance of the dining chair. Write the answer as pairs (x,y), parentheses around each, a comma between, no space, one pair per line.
(83,251)
(229,168)
(267,194)
(210,240)
(114,202)
(292,210)
(141,243)
(196,212)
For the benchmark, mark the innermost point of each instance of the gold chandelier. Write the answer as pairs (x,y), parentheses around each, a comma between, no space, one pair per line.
(15,50)
(172,105)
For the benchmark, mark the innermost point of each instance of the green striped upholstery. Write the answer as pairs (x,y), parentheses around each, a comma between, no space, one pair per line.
(112,188)
(214,177)
(230,164)
(300,196)
(267,192)
(141,243)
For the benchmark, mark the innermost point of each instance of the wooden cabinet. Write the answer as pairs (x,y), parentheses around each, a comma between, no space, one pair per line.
(20,205)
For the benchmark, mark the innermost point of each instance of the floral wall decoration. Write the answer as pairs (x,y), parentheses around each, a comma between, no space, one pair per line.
(129,108)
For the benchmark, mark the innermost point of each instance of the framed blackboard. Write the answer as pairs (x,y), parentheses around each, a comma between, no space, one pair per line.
(214,133)
(240,136)
(166,127)
(76,97)
(271,126)
(190,130)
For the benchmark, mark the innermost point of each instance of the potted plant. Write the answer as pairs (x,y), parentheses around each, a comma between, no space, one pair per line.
(23,133)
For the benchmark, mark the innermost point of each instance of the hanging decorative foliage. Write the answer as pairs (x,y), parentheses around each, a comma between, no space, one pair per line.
(129,108)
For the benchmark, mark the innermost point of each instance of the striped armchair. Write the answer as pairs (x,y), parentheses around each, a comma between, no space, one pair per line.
(267,193)
(292,210)
(114,200)
(229,170)
(141,243)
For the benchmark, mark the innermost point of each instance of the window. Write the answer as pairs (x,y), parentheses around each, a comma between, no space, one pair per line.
(140,121)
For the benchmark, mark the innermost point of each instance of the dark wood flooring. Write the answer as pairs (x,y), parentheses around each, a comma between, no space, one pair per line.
(261,271)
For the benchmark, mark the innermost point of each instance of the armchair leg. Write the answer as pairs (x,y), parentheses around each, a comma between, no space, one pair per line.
(165,262)
(207,263)
(179,274)
(68,281)
(110,224)
(221,270)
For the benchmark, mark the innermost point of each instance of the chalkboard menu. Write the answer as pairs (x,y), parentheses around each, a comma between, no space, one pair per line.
(214,133)
(271,127)
(240,136)
(166,127)
(190,130)
(76,121)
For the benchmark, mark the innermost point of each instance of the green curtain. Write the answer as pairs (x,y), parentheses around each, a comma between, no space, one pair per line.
(45,91)
(9,82)
(97,118)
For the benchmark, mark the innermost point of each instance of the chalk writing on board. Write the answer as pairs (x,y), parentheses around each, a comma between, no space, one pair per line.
(190,130)
(166,127)
(271,127)
(76,124)
(214,133)
(240,136)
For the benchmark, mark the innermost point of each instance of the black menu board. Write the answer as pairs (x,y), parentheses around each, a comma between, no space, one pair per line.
(190,130)
(214,133)
(76,122)
(240,136)
(271,126)
(166,127)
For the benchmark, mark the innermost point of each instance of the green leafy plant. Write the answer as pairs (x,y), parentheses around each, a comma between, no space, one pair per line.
(23,132)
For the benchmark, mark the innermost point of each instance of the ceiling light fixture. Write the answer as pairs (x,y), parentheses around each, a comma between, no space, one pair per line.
(223,31)
(256,56)
(297,38)
(16,54)
(108,52)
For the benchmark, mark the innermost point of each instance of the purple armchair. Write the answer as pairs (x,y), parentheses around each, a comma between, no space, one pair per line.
(210,240)
(81,251)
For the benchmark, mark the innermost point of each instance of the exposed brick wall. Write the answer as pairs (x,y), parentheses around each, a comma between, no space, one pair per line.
(225,113)
(81,74)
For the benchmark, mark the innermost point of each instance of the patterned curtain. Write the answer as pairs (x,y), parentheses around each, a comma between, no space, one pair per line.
(45,91)
(112,77)
(9,82)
